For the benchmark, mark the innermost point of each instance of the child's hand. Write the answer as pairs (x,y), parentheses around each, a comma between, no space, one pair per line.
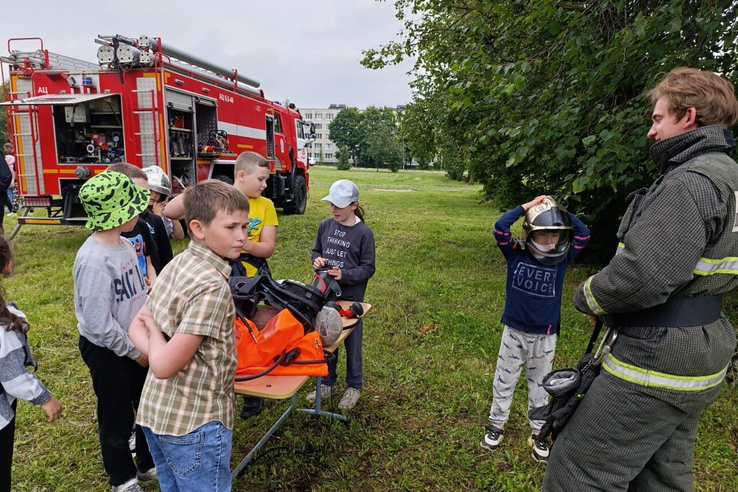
(149,322)
(53,409)
(143,360)
(145,312)
(335,272)
(181,372)
(158,207)
(319,262)
(536,201)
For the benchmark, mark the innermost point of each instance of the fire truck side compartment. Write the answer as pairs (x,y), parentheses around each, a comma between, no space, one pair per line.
(89,132)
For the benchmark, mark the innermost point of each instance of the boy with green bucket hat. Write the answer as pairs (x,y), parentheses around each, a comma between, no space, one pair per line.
(108,292)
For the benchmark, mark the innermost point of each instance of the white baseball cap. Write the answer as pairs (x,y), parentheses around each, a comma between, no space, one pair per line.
(342,193)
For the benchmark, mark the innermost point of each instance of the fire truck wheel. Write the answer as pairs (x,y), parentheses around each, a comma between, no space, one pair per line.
(299,197)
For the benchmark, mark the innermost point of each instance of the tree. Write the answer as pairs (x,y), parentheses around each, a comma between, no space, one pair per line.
(376,123)
(345,131)
(384,149)
(417,134)
(343,159)
(355,130)
(548,96)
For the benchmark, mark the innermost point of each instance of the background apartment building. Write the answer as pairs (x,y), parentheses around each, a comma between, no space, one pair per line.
(323,149)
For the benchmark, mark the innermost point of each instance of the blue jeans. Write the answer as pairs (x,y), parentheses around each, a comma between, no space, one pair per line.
(198,461)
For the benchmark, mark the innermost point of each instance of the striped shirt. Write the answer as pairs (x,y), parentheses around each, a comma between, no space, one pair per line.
(191,295)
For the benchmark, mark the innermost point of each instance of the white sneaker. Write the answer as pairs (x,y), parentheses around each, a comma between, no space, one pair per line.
(540,449)
(146,476)
(325,392)
(129,486)
(349,399)
(492,438)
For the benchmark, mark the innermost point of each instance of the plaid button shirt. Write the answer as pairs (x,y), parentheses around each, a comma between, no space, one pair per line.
(191,295)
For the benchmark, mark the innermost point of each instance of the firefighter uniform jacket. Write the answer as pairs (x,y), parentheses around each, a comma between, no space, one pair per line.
(636,426)
(679,238)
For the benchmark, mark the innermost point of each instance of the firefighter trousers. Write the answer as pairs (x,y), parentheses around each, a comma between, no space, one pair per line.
(625,436)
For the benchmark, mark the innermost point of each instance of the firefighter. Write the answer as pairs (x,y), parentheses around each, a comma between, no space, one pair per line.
(635,428)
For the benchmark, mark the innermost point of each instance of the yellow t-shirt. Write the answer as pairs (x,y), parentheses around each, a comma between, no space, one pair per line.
(261,213)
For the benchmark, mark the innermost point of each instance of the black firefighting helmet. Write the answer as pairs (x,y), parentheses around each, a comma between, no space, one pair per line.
(547,217)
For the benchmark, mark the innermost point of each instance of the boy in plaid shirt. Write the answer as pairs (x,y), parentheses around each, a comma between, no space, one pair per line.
(186,328)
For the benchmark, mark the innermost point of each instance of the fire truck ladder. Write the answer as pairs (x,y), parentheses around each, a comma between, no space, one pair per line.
(154,134)
(25,125)
(23,131)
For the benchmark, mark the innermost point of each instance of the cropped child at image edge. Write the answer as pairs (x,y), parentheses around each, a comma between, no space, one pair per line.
(16,383)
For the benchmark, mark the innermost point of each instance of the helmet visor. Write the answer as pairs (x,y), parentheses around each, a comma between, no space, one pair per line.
(549,246)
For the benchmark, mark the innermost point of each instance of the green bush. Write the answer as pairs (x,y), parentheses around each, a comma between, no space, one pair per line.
(548,96)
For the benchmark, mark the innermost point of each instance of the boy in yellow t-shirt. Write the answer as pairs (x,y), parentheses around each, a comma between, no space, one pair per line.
(250,174)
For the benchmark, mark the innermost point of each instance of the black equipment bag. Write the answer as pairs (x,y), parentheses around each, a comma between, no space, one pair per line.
(303,301)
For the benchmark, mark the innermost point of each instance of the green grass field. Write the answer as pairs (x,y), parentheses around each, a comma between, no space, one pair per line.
(430,344)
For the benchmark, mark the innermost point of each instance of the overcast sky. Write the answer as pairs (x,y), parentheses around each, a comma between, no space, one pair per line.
(306,51)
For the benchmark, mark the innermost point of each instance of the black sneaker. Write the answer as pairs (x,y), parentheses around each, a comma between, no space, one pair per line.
(540,449)
(492,438)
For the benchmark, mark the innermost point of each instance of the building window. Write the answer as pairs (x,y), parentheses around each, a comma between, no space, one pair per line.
(310,155)
(328,146)
(308,116)
(329,116)
(317,145)
(318,136)
(318,116)
(329,156)
(319,126)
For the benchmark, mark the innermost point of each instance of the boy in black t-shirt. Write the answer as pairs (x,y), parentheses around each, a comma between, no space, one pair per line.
(142,236)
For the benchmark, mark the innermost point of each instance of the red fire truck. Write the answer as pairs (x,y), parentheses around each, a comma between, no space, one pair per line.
(148,104)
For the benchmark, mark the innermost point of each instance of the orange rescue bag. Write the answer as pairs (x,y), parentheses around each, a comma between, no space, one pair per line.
(282,337)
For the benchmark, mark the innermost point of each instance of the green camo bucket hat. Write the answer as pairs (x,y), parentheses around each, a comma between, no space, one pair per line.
(111,199)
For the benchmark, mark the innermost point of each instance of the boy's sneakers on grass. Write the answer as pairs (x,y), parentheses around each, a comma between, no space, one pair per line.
(492,438)
(129,486)
(349,399)
(325,392)
(540,449)
(146,476)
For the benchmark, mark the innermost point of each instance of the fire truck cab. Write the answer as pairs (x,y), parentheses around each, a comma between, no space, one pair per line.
(147,104)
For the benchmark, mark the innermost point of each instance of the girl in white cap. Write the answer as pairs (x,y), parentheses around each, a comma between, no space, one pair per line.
(345,244)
